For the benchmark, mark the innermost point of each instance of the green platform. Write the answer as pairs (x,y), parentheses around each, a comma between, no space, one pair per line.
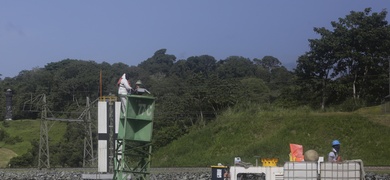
(138,124)
(133,145)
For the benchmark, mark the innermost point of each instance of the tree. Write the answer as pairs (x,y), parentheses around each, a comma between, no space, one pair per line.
(268,62)
(280,78)
(363,49)
(159,64)
(222,93)
(235,67)
(317,65)
(204,64)
(254,90)
(355,51)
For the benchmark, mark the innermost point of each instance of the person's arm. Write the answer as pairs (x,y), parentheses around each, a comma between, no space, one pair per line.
(126,84)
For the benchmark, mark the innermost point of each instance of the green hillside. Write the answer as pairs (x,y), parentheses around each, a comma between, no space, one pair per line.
(254,131)
(27,130)
(268,133)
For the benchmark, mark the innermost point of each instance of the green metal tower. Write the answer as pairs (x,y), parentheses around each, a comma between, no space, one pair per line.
(133,145)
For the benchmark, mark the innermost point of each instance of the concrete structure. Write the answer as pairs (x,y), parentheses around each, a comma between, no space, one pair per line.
(107,133)
(130,132)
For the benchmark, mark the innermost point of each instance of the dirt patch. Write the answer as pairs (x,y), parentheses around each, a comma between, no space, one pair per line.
(5,156)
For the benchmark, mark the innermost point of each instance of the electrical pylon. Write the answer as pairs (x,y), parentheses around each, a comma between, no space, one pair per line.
(89,158)
(44,155)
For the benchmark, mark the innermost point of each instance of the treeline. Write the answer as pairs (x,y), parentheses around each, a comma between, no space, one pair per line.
(346,68)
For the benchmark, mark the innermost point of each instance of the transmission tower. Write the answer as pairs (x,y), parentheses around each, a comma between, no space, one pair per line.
(89,158)
(44,155)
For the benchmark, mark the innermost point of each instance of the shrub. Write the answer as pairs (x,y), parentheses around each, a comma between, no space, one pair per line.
(13,140)
(3,135)
(351,104)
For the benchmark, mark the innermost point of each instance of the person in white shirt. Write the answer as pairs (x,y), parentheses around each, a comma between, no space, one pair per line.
(124,89)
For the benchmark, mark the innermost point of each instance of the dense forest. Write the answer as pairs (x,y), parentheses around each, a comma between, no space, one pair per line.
(347,67)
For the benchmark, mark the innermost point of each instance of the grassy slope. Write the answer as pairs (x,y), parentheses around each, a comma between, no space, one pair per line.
(363,134)
(28,130)
(250,133)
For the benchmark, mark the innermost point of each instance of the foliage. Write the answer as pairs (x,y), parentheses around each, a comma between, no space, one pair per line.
(267,133)
(13,140)
(69,151)
(254,90)
(350,105)
(4,136)
(166,135)
(26,160)
(159,64)
(350,61)
(235,67)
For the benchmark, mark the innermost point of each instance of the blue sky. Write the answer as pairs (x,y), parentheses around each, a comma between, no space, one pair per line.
(35,33)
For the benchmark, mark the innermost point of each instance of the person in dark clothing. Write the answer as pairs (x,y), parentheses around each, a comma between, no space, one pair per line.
(334,155)
(138,90)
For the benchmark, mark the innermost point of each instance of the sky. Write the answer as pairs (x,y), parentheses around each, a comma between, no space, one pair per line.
(35,33)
